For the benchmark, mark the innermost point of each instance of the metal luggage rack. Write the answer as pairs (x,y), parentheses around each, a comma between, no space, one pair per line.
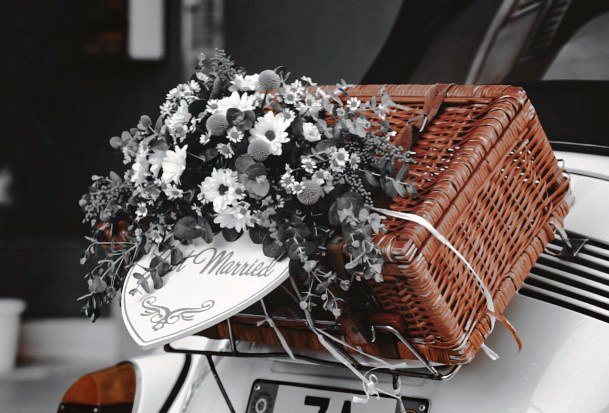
(428,371)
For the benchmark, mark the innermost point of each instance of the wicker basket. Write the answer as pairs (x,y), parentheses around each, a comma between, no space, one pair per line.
(489,182)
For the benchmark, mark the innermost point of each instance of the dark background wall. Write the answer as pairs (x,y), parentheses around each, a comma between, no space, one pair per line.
(326,40)
(60,105)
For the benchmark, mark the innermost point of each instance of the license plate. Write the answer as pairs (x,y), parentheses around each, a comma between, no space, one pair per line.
(280,397)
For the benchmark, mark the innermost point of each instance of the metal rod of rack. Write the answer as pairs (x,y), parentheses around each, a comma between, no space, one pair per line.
(428,371)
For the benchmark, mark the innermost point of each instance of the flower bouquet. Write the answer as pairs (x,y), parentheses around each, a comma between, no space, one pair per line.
(417,200)
(291,165)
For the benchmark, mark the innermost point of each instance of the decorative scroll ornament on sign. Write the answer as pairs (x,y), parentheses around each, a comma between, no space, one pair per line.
(214,282)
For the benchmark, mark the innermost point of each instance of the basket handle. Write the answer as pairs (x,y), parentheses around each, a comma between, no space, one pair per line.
(433,102)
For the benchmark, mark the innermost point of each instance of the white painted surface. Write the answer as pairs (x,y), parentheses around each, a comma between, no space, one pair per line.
(10,313)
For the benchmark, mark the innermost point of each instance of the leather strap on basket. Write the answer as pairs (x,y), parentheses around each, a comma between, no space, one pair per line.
(433,102)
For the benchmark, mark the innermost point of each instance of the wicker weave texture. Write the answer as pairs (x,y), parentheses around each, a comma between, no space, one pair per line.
(489,182)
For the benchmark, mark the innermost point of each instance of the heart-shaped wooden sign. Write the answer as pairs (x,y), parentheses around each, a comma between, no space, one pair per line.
(214,282)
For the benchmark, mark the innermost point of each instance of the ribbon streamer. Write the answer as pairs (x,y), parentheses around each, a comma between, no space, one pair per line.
(280,336)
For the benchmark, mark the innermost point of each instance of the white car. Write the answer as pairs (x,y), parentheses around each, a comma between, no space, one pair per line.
(561,314)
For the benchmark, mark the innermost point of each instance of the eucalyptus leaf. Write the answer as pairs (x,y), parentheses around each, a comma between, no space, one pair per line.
(157,281)
(271,248)
(176,256)
(243,162)
(255,170)
(402,173)
(231,234)
(399,188)
(186,228)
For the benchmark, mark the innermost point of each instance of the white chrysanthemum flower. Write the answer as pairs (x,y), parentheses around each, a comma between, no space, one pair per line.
(310,132)
(242,102)
(173,192)
(174,164)
(178,121)
(222,189)
(247,83)
(237,217)
(308,164)
(225,150)
(273,129)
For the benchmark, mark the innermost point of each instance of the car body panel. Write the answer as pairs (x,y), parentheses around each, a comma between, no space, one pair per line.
(562,367)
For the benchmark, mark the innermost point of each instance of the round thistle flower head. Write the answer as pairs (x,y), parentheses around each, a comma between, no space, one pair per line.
(311,193)
(268,80)
(217,124)
(259,149)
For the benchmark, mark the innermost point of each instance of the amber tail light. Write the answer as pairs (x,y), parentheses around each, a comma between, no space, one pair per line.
(110,390)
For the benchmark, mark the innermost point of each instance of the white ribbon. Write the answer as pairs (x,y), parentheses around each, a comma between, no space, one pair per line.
(429,227)
(280,336)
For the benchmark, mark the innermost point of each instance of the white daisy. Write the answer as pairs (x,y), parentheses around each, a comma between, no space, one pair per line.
(297,188)
(234,135)
(242,102)
(221,189)
(212,106)
(174,164)
(173,192)
(339,159)
(225,150)
(310,132)
(353,103)
(288,114)
(273,129)
(286,180)
(237,217)
(308,164)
